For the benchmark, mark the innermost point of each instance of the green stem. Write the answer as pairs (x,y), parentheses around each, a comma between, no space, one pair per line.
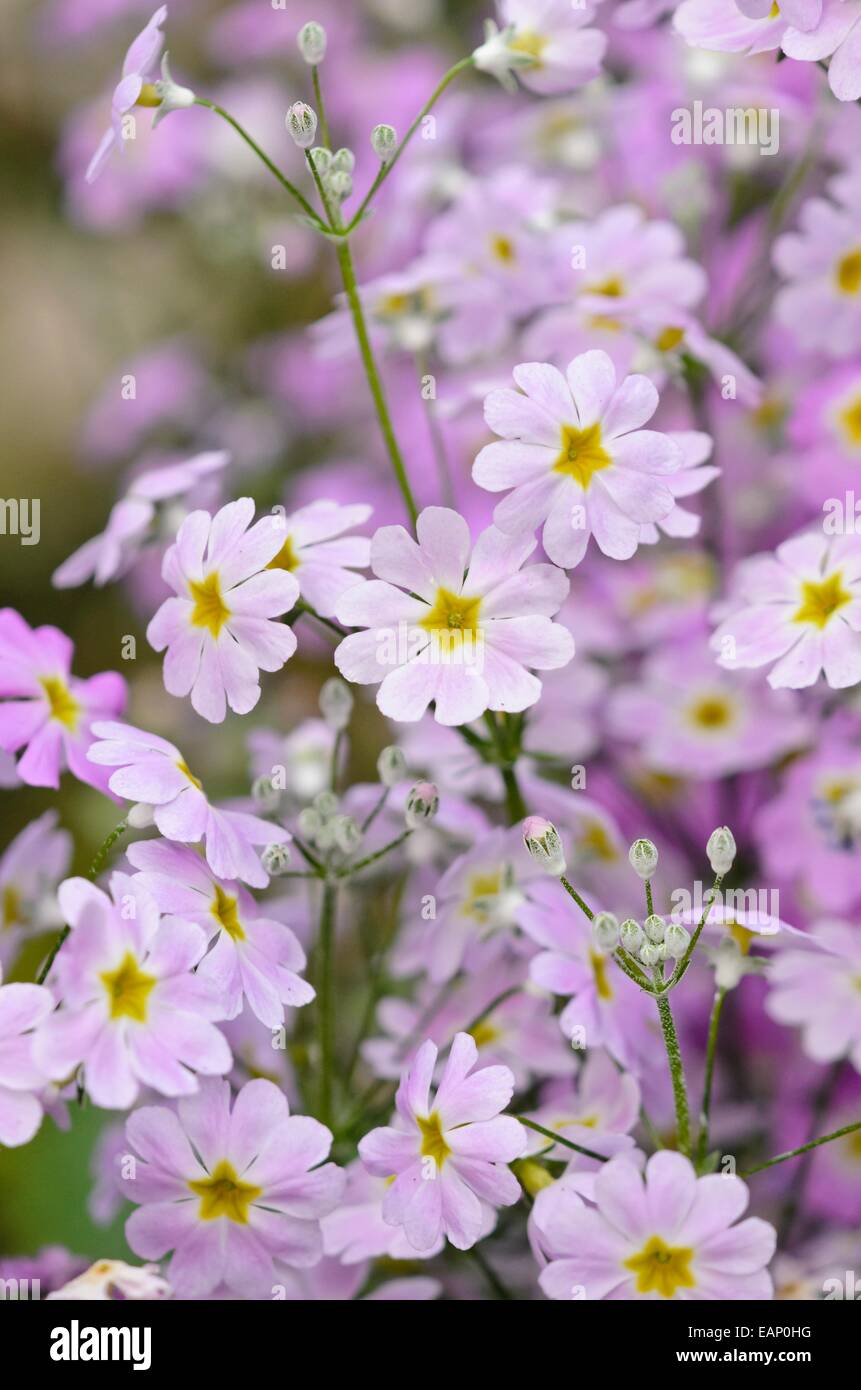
(375,810)
(711,1048)
(560,1139)
(372,858)
(650,906)
(386,169)
(325,1001)
(348,275)
(677,1074)
(92,874)
(686,958)
(270,165)
(803,1149)
(489,1008)
(584,907)
(321,192)
(624,962)
(304,607)
(320,106)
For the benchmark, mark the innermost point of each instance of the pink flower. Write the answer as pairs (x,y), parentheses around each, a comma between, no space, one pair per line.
(358,1231)
(115,551)
(691,719)
(596,1112)
(605,1008)
(218,630)
(320,557)
(153,772)
(139,68)
(836,35)
(799,608)
(819,992)
(545,42)
(251,956)
(30,868)
(576,458)
(132,1012)
(822,261)
(229,1189)
(451,627)
(450,1155)
(44,709)
(664,1234)
(693,475)
(22,1009)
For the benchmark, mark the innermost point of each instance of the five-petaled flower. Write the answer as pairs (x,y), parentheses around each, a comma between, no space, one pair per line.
(448,1156)
(228,1188)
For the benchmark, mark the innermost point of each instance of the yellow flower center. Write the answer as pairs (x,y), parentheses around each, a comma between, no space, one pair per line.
(669,338)
(224,1193)
(128,989)
(848,273)
(774,12)
(502,249)
(850,421)
(484,1033)
(433,1140)
(225,912)
(662,1267)
(62,704)
(210,610)
(11,913)
(820,601)
(595,843)
(482,887)
(581,455)
(742,936)
(528,42)
(187,772)
(599,970)
(286,559)
(712,712)
(148,95)
(451,616)
(613,287)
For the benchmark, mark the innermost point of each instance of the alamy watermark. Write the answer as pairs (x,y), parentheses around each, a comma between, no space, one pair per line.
(757,906)
(437,646)
(21,517)
(731,125)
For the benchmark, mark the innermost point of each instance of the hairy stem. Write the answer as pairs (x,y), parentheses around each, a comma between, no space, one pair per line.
(264,158)
(711,1048)
(677,1073)
(802,1149)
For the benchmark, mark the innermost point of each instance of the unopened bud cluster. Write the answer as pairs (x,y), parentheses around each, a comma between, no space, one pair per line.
(327,830)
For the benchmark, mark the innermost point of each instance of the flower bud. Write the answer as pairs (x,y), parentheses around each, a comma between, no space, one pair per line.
(422,804)
(310,823)
(312,42)
(322,159)
(340,184)
(541,838)
(677,940)
(325,804)
(721,850)
(631,935)
(533,1176)
(347,834)
(276,859)
(301,121)
(655,928)
(643,858)
(384,142)
(649,954)
(605,931)
(141,816)
(267,796)
(391,766)
(344,161)
(336,703)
